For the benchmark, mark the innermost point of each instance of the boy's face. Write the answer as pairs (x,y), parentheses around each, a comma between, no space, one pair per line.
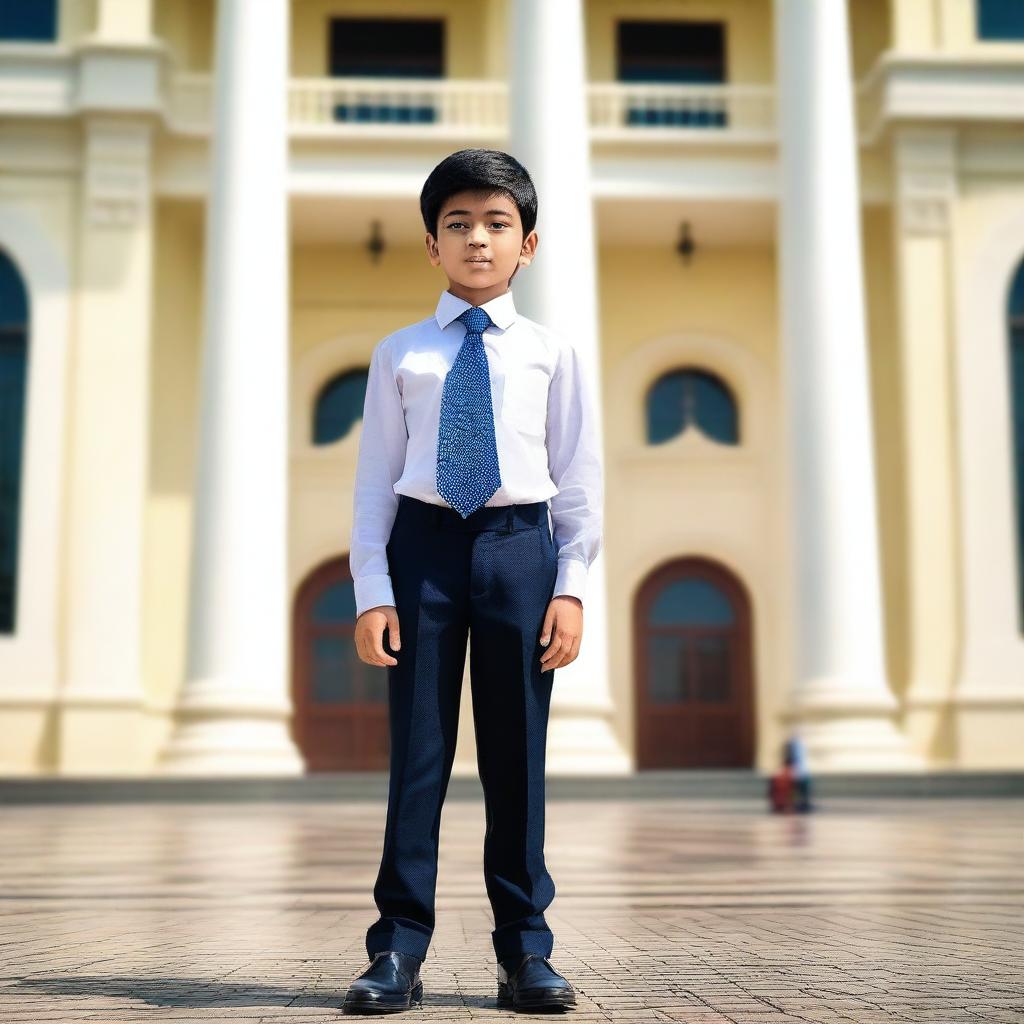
(480,245)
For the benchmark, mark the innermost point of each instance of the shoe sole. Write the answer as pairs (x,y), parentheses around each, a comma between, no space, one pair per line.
(555,999)
(408,1002)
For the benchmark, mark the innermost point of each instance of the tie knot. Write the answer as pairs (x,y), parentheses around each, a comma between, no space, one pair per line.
(475,319)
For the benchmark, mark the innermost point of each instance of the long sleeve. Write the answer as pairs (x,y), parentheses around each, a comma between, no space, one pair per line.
(382,447)
(574,462)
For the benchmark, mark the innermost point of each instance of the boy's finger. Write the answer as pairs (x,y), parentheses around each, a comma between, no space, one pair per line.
(551,654)
(394,633)
(545,631)
(382,656)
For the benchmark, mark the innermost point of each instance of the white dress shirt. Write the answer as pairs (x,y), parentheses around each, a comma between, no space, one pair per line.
(544,425)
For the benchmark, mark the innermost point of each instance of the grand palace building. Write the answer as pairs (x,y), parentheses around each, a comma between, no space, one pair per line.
(786,237)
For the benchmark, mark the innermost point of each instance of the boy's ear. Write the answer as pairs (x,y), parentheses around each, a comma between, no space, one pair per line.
(432,253)
(529,249)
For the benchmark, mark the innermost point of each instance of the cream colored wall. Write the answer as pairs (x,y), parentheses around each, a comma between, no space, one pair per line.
(187,28)
(75,19)
(870,34)
(890,457)
(940,25)
(691,496)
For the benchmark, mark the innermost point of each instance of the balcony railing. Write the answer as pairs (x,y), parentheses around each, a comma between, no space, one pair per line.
(619,110)
(409,108)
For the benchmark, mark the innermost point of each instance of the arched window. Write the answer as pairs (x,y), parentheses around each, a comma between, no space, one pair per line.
(1015,316)
(339,405)
(691,397)
(13,374)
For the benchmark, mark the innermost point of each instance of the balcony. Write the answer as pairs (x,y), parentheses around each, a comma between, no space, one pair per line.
(379,108)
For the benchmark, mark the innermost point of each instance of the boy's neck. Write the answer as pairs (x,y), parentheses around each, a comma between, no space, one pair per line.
(477,296)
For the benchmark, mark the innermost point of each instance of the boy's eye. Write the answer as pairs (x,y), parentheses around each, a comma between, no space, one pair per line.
(493,224)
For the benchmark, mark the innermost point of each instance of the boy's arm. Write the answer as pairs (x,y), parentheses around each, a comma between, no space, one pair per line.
(382,446)
(574,462)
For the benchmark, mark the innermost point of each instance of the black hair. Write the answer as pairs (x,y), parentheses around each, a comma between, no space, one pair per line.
(478,170)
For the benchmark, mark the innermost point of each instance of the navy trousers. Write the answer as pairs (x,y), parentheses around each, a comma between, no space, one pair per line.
(490,575)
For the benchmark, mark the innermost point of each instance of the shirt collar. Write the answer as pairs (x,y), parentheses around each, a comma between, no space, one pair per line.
(501,309)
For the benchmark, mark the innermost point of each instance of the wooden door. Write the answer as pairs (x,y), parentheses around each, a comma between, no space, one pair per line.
(694,705)
(341,703)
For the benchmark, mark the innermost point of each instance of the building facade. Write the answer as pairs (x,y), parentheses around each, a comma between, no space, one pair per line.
(787,237)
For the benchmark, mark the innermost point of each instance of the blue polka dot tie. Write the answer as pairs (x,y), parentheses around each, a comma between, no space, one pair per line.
(467,453)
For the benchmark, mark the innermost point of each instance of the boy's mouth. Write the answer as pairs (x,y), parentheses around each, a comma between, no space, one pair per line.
(478,259)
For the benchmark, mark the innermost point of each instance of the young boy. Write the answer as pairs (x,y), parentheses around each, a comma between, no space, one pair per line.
(476,421)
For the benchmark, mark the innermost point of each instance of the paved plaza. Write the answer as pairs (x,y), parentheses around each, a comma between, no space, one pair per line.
(666,910)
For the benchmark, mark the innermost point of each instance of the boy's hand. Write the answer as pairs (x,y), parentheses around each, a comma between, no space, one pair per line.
(370,633)
(562,632)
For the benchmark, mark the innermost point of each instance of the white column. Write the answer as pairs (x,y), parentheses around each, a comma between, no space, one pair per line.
(234,709)
(549,133)
(841,700)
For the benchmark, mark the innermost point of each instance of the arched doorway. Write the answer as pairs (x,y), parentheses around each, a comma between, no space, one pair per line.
(693,670)
(341,704)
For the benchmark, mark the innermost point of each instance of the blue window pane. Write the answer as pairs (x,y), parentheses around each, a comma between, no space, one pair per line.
(665,416)
(332,682)
(668,681)
(691,602)
(691,397)
(714,678)
(13,379)
(1000,19)
(28,20)
(385,112)
(335,604)
(338,406)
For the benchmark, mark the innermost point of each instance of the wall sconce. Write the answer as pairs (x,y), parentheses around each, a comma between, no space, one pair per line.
(686,245)
(375,246)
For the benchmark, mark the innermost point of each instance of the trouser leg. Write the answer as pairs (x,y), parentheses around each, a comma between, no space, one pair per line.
(512,580)
(429,573)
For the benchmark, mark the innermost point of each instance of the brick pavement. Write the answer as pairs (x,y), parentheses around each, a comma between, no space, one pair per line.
(666,910)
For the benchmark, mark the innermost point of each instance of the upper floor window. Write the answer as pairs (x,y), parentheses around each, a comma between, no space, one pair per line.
(676,52)
(1000,19)
(386,48)
(338,406)
(691,397)
(32,21)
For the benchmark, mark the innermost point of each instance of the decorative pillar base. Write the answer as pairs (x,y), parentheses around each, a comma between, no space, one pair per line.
(988,730)
(210,740)
(582,741)
(843,732)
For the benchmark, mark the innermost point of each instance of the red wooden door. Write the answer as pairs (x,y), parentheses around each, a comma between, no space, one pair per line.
(341,703)
(694,706)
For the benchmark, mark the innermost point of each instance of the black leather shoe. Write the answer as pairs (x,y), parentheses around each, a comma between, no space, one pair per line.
(533,984)
(391,983)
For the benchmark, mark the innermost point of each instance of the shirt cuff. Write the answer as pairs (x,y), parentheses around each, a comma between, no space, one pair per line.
(372,591)
(571,578)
